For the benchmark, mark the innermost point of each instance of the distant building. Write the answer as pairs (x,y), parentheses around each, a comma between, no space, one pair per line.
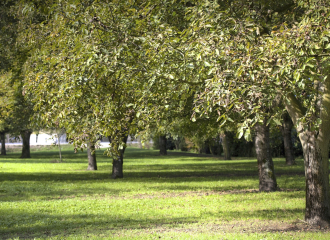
(50,139)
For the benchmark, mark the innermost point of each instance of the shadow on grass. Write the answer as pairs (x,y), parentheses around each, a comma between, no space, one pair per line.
(175,176)
(131,153)
(49,156)
(80,157)
(24,224)
(49,188)
(192,172)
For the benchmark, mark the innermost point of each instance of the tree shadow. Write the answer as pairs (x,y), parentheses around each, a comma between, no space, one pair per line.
(30,224)
(47,225)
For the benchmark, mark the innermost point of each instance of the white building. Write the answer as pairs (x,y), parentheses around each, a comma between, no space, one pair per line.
(50,139)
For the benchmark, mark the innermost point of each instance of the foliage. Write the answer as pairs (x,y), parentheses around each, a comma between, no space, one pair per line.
(117,65)
(257,55)
(88,69)
(14,52)
(7,102)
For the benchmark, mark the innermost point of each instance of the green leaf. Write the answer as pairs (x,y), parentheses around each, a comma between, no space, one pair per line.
(240,133)
(247,135)
(277,122)
(229,119)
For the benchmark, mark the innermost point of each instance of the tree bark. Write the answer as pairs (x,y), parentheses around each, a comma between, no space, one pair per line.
(316,158)
(315,146)
(162,145)
(91,154)
(117,166)
(26,144)
(117,163)
(267,179)
(3,143)
(226,146)
(288,146)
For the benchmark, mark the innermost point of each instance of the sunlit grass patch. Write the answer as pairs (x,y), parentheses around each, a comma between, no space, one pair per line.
(184,197)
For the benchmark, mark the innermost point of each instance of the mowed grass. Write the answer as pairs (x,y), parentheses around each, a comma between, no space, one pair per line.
(179,196)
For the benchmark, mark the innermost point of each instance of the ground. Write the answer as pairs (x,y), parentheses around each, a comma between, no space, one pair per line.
(179,196)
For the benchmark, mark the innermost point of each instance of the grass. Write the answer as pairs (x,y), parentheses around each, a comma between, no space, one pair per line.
(179,196)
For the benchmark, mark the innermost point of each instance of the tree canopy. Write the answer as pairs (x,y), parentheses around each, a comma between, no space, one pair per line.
(101,67)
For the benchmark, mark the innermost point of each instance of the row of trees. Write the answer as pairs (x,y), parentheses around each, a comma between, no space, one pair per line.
(284,142)
(113,68)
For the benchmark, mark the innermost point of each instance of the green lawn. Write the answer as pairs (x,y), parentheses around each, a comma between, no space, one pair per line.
(161,197)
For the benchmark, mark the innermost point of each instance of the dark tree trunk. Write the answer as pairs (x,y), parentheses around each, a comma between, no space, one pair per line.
(162,145)
(3,143)
(226,146)
(26,144)
(317,179)
(207,147)
(248,149)
(267,179)
(288,146)
(117,163)
(91,154)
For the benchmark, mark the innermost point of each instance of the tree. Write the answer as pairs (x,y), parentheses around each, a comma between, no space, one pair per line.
(185,52)
(236,58)
(87,70)
(14,53)
(286,130)
(6,106)
(7,26)
(264,51)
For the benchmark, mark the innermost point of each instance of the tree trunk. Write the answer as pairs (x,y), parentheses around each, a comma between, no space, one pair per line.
(267,179)
(316,158)
(26,144)
(117,163)
(91,154)
(315,146)
(288,146)
(3,143)
(226,146)
(117,166)
(162,145)
(207,147)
